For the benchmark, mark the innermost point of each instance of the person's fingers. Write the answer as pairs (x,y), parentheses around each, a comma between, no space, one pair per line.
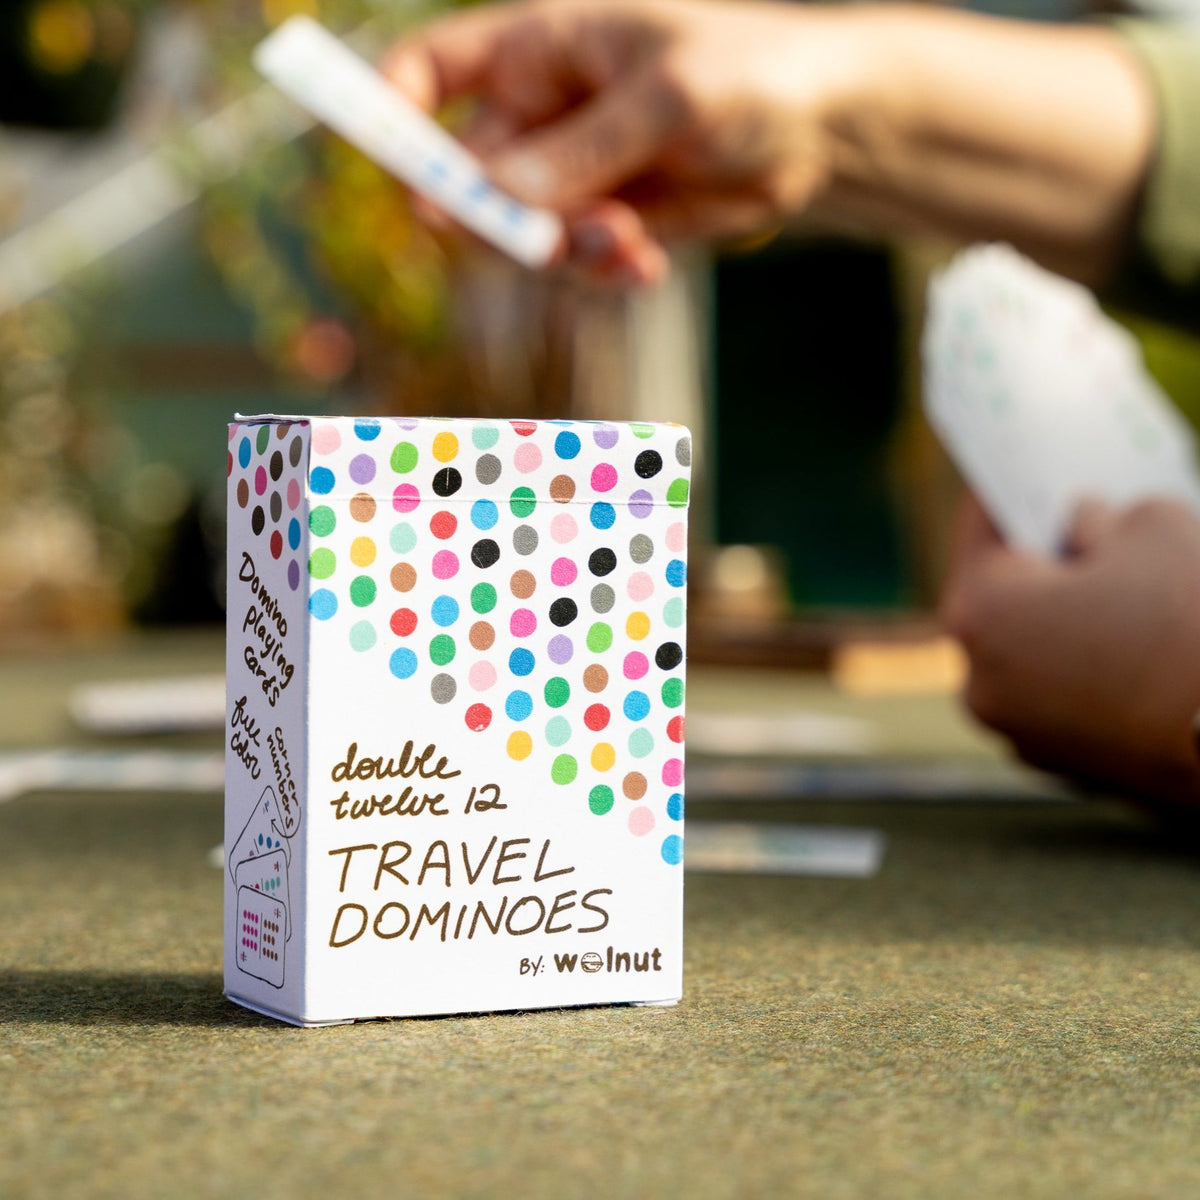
(1091,525)
(974,534)
(608,242)
(489,130)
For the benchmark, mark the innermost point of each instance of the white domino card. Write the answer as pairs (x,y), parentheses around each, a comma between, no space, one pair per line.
(1043,401)
(261,934)
(324,76)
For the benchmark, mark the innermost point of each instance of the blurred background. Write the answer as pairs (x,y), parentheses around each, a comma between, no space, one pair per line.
(176,244)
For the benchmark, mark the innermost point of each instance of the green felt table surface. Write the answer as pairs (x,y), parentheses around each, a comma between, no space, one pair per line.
(1009,1008)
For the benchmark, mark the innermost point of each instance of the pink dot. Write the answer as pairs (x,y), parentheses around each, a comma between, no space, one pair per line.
(522,623)
(293,493)
(445,564)
(636,664)
(563,572)
(260,480)
(672,774)
(563,528)
(482,676)
(640,586)
(604,477)
(233,432)
(527,458)
(677,537)
(405,498)
(641,821)
(326,439)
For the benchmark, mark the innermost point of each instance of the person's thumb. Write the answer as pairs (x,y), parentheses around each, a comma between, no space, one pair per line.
(1091,524)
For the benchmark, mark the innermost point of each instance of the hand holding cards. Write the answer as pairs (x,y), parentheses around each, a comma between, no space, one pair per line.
(1042,401)
(320,73)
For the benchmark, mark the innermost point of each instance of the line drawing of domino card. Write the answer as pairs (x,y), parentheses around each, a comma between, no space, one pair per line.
(262,833)
(260,948)
(267,873)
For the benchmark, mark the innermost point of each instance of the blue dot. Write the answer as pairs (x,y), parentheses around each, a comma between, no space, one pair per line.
(672,849)
(260,839)
(244,452)
(322,604)
(603,515)
(637,706)
(566,445)
(521,661)
(321,481)
(444,611)
(677,572)
(294,534)
(403,663)
(366,429)
(675,806)
(484,514)
(518,705)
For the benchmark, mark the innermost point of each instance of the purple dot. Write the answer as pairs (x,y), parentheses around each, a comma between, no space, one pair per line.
(560,649)
(605,437)
(362,468)
(641,503)
(293,574)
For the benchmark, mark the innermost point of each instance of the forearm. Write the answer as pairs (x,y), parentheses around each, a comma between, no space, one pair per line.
(984,128)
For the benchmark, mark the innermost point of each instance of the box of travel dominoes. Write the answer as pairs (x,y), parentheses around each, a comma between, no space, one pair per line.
(455,731)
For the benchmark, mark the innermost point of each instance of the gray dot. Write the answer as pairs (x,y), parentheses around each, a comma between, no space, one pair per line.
(603,598)
(641,548)
(683,452)
(525,539)
(443,688)
(487,469)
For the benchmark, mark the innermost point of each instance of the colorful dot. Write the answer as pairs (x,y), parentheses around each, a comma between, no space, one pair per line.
(484,437)
(564,769)
(258,520)
(362,468)
(637,625)
(604,477)
(263,439)
(647,464)
(641,743)
(599,637)
(557,691)
(322,604)
(482,676)
(521,661)
(596,717)
(362,552)
(276,465)
(362,636)
(604,756)
(602,561)
(675,729)
(404,458)
(403,538)
(444,565)
(641,821)
(605,436)
(522,584)
(519,746)
(677,537)
(403,663)
(634,785)
(562,489)
(641,548)
(640,586)
(320,481)
(672,693)
(525,539)
(405,498)
(566,444)
(683,452)
(636,665)
(488,469)
(245,450)
(595,678)
(446,482)
(636,706)
(558,731)
(403,577)
(673,612)
(641,504)
(443,524)
(528,457)
(668,656)
(482,636)
(677,493)
(672,850)
(276,543)
(478,717)
(600,799)
(362,591)
(563,572)
(483,597)
(564,529)
(561,649)
(521,503)
(522,623)
(676,572)
(322,563)
(293,575)
(675,806)
(603,598)
(442,649)
(672,772)
(444,611)
(602,515)
(518,705)
(485,553)
(445,447)
(322,520)
(403,621)
(326,438)
(293,493)
(484,514)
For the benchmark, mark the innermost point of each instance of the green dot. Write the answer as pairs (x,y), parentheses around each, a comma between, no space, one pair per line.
(322,563)
(599,637)
(522,501)
(264,438)
(642,430)
(362,591)
(483,597)
(403,538)
(673,612)
(672,693)
(557,691)
(441,649)
(322,520)
(677,493)
(362,635)
(564,769)
(600,799)
(641,743)
(485,437)
(404,458)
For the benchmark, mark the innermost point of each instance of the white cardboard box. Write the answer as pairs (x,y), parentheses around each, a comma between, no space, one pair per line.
(454,715)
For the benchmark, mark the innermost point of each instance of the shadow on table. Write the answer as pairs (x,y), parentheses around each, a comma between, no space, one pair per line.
(99,998)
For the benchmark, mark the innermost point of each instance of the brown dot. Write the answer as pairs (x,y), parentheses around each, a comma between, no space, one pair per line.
(482,635)
(522,584)
(243,493)
(281,431)
(634,785)
(562,489)
(362,507)
(403,577)
(595,678)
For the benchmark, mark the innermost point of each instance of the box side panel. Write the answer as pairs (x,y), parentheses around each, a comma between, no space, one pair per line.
(266,683)
(496,703)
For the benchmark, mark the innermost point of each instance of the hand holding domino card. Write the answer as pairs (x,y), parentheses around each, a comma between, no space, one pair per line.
(337,87)
(1042,401)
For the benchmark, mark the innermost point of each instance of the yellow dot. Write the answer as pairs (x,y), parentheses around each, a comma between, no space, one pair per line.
(362,552)
(520,745)
(637,626)
(445,447)
(603,756)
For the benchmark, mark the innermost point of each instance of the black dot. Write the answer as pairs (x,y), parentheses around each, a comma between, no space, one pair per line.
(563,611)
(447,481)
(294,452)
(602,561)
(276,465)
(258,519)
(648,464)
(668,656)
(276,506)
(485,553)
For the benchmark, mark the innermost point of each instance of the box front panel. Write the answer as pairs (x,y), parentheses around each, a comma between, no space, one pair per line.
(496,715)
(266,676)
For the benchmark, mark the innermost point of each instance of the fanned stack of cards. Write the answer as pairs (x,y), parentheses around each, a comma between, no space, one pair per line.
(1042,401)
